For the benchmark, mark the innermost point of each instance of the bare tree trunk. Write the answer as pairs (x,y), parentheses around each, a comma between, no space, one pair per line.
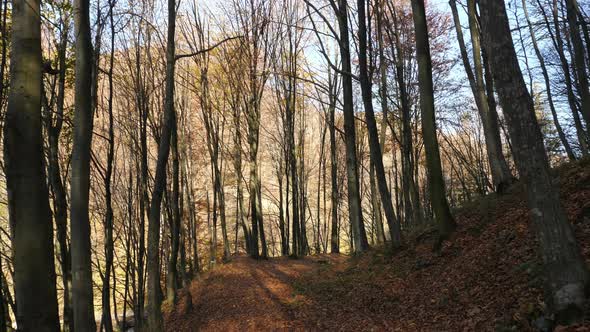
(221,196)
(143,203)
(334,193)
(295,201)
(282,225)
(28,195)
(255,214)
(321,167)
(128,256)
(238,172)
(384,102)
(500,172)
(436,183)
(190,201)
(214,146)
(359,236)
(411,195)
(374,145)
(82,295)
(60,206)
(107,321)
(154,314)
(565,271)
(172,278)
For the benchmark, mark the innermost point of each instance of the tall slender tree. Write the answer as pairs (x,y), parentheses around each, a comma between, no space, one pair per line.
(107,320)
(374,144)
(82,294)
(355,216)
(334,194)
(436,184)
(54,123)
(154,314)
(501,176)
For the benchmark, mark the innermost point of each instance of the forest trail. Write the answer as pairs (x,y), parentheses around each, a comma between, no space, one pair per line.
(247,295)
(486,278)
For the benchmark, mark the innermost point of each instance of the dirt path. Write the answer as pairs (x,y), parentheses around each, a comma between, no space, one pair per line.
(245,295)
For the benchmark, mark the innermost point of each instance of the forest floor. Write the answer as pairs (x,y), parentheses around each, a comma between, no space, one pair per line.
(486,278)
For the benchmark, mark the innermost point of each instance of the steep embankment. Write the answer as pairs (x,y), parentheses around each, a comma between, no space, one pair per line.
(486,278)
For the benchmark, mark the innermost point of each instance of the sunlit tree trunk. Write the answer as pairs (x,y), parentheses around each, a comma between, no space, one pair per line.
(82,294)
(28,195)
(238,173)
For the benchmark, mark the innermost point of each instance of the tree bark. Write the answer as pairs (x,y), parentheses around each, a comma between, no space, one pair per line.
(374,145)
(354,200)
(564,268)
(411,196)
(334,193)
(501,176)
(107,321)
(154,314)
(82,293)
(436,184)
(172,278)
(60,206)
(28,195)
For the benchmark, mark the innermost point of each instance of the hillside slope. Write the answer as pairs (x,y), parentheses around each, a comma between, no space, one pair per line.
(487,278)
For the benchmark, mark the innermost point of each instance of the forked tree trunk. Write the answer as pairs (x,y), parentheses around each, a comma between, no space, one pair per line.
(359,238)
